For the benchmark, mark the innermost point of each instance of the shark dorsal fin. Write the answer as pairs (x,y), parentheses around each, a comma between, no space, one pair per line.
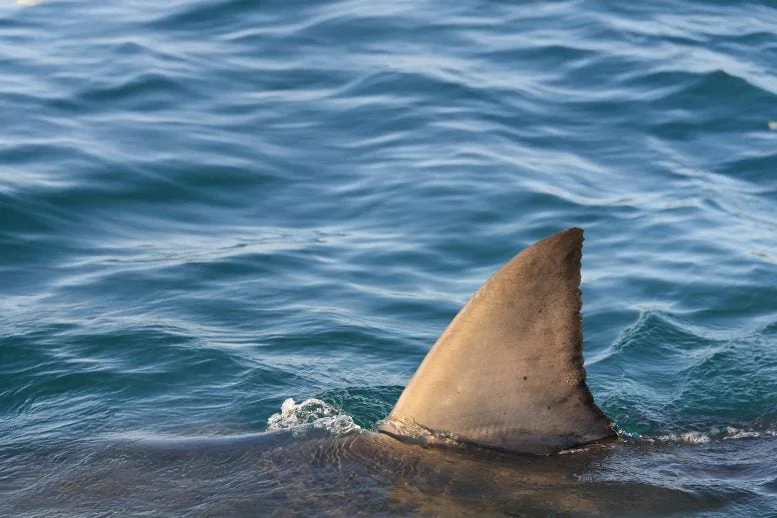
(508,371)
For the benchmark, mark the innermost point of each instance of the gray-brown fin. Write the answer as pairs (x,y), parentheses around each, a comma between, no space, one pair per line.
(508,371)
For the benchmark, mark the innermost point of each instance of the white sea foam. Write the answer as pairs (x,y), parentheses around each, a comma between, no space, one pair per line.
(313,412)
(685,437)
(736,433)
(702,437)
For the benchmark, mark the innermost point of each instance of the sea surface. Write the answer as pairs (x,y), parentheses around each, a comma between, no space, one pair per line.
(208,207)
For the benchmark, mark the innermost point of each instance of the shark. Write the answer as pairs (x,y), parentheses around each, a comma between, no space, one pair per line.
(497,421)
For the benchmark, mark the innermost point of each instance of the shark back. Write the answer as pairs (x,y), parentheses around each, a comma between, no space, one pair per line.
(508,371)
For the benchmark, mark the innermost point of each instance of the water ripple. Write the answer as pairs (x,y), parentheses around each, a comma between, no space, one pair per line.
(209,207)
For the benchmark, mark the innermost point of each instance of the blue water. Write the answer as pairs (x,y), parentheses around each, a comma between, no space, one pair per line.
(208,207)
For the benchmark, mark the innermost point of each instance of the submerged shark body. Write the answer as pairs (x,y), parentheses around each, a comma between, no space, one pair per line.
(504,381)
(310,472)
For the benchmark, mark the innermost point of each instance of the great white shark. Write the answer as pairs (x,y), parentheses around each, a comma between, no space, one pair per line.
(497,420)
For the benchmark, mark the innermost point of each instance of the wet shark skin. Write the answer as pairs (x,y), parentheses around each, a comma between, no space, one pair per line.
(508,371)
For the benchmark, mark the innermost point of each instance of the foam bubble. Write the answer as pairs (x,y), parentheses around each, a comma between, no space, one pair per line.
(703,437)
(737,433)
(315,412)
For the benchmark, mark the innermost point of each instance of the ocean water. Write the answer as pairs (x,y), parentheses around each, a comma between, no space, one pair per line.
(208,207)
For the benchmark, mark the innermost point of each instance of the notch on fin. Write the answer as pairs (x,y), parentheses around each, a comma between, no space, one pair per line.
(508,371)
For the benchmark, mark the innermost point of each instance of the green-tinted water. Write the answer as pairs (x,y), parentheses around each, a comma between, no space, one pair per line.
(209,207)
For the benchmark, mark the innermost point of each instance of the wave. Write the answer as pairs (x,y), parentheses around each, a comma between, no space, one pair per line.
(320,415)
